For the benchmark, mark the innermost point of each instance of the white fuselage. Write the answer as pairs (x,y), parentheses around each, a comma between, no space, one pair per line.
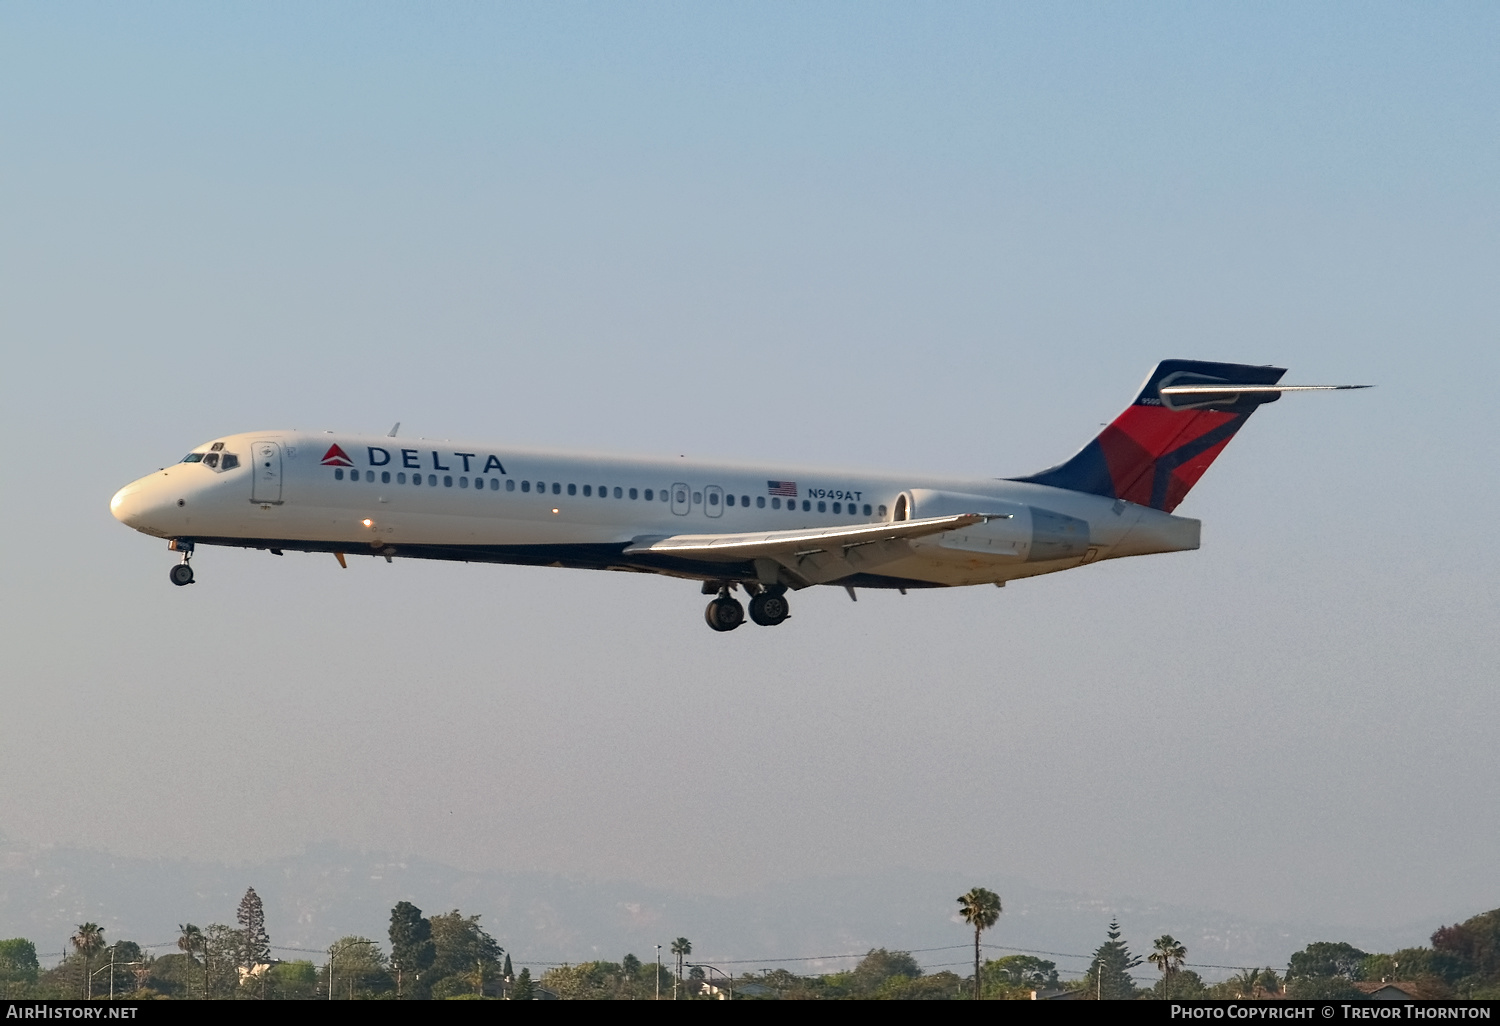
(439,499)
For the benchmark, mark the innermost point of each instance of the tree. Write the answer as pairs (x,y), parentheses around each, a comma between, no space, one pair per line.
(681,947)
(1323,959)
(880,966)
(1472,947)
(412,950)
(252,919)
(223,947)
(980,908)
(1167,954)
(88,941)
(524,990)
(1108,977)
(18,963)
(462,947)
(1022,971)
(356,968)
(191,942)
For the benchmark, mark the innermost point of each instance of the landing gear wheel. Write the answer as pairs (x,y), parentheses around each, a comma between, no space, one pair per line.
(724,614)
(181,574)
(769,609)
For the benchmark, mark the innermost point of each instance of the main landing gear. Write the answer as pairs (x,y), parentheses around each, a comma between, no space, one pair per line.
(768,607)
(182,573)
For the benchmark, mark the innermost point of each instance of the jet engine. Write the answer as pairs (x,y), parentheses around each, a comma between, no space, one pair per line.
(1027,533)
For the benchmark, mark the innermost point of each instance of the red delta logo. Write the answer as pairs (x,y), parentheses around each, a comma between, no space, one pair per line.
(336,457)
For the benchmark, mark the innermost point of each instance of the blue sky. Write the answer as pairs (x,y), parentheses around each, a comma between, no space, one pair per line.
(947,238)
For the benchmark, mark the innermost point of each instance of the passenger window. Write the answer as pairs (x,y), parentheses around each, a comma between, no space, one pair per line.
(370,476)
(385,477)
(230,461)
(713,498)
(822,506)
(463,482)
(494,484)
(836,507)
(682,496)
(572,489)
(663,495)
(744,500)
(649,497)
(806,506)
(401,478)
(880,510)
(525,486)
(760,502)
(867,509)
(618,493)
(633,493)
(588,490)
(447,480)
(697,498)
(775,503)
(729,500)
(431,480)
(416,479)
(510,484)
(338,475)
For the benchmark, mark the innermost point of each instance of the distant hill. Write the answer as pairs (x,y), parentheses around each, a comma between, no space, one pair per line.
(327,891)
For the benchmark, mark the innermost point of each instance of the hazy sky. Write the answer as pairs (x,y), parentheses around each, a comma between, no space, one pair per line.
(939,237)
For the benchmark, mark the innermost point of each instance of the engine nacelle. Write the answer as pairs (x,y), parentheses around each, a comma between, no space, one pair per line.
(1026,533)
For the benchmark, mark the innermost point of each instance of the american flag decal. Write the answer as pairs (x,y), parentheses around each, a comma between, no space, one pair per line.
(787,488)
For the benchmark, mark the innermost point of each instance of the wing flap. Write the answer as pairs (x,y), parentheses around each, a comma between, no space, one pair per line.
(812,555)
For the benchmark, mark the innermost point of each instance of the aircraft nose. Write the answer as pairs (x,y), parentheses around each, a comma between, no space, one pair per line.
(126,505)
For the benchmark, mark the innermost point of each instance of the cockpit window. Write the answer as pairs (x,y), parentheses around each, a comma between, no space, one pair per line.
(193,457)
(216,447)
(230,461)
(211,459)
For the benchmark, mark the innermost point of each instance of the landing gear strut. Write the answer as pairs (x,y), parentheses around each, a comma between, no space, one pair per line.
(724,613)
(182,573)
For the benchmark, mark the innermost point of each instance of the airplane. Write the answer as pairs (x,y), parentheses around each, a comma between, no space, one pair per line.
(765,529)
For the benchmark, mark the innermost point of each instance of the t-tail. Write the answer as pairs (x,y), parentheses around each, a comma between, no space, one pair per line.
(1184,416)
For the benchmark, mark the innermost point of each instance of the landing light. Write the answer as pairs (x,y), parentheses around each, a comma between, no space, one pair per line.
(554,509)
(368,522)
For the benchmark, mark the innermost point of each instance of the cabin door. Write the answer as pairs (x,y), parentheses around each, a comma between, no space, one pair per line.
(265,486)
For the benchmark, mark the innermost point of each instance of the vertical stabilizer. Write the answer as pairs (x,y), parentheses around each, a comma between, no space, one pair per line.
(1155,451)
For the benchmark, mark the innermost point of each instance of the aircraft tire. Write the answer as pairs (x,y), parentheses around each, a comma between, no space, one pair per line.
(768,609)
(181,574)
(724,614)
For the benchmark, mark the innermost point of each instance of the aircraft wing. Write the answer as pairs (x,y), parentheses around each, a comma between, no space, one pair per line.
(813,555)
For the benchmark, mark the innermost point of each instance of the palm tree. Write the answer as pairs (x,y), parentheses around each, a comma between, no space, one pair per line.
(1167,954)
(980,909)
(681,947)
(192,941)
(88,941)
(1245,983)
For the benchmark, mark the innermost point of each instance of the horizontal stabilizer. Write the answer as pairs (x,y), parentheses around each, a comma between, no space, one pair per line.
(1183,397)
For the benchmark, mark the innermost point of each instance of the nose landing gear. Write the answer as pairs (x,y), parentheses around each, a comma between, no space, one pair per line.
(182,573)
